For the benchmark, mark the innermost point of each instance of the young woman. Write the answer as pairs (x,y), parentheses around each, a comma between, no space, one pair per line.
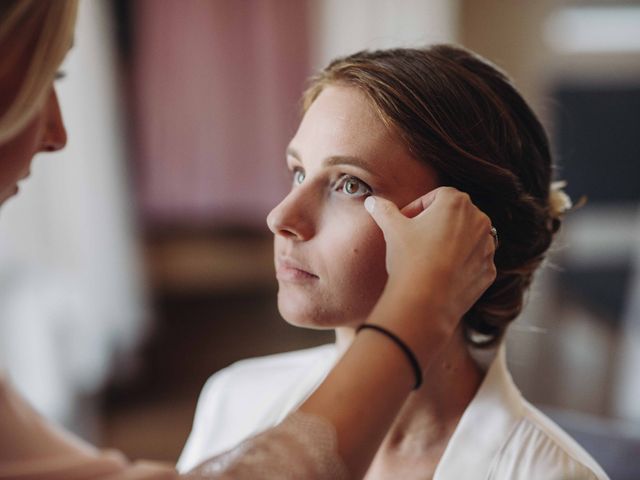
(396,124)
(320,440)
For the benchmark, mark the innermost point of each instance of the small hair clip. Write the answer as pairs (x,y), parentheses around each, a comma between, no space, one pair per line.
(559,202)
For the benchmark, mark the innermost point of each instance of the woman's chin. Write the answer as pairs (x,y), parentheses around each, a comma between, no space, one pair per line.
(305,321)
(301,311)
(306,316)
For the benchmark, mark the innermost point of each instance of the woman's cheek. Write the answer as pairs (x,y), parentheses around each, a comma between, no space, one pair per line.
(364,260)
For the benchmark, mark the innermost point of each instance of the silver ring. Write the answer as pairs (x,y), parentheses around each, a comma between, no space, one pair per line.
(494,234)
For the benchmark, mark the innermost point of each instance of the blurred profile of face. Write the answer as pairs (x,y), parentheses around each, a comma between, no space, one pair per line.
(44,132)
(329,254)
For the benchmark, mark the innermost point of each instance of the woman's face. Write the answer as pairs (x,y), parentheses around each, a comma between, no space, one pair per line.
(44,132)
(329,253)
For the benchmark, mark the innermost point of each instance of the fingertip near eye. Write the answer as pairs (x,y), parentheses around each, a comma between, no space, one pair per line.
(370,203)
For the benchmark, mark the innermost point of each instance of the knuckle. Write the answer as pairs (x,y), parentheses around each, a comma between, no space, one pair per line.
(460,199)
(490,249)
(493,271)
(384,206)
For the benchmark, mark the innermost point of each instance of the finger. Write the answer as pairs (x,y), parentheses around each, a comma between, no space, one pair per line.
(385,213)
(490,248)
(416,207)
(485,248)
(488,257)
(419,205)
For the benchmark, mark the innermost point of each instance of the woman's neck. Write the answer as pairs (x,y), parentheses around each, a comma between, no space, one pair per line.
(430,415)
(344,337)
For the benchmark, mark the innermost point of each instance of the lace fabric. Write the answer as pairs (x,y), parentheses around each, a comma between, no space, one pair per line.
(303,446)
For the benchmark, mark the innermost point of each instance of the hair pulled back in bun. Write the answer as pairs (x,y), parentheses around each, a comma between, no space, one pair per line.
(462,116)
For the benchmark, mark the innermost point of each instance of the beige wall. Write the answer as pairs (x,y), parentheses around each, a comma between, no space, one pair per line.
(509,34)
(341,27)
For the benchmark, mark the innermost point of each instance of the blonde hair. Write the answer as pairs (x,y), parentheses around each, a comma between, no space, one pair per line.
(48,25)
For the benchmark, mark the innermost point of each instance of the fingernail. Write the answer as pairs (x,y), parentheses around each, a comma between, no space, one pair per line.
(370,204)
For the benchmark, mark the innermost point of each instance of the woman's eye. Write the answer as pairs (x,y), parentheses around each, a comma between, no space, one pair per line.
(298,176)
(354,187)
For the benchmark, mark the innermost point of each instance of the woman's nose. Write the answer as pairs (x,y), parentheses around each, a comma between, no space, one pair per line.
(291,218)
(55,135)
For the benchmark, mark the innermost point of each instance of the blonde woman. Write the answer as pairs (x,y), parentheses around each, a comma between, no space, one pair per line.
(329,436)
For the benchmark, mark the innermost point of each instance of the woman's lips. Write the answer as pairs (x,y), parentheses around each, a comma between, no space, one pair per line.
(288,270)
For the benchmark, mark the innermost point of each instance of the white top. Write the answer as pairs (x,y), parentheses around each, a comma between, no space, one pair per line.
(302,446)
(500,435)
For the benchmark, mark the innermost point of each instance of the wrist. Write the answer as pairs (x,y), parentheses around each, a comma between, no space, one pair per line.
(387,353)
(420,320)
(404,348)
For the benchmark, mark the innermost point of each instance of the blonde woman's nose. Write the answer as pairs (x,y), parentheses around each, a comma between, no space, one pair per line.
(55,134)
(291,219)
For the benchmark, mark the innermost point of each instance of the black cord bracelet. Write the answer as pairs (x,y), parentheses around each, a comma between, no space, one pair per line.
(403,346)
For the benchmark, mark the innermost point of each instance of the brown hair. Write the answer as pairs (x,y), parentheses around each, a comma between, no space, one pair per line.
(462,116)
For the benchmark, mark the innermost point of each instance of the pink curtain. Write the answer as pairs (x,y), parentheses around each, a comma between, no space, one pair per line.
(216,90)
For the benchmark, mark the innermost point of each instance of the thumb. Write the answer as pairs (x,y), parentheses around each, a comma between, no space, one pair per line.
(385,213)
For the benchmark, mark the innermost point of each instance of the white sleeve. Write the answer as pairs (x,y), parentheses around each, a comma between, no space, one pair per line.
(206,417)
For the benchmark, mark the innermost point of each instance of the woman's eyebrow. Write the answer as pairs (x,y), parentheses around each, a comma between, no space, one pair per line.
(335,160)
(358,162)
(347,160)
(292,152)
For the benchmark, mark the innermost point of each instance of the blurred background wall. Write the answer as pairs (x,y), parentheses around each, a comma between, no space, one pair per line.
(147,238)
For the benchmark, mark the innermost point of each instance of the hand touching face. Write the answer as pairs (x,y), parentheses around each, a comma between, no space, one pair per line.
(329,253)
